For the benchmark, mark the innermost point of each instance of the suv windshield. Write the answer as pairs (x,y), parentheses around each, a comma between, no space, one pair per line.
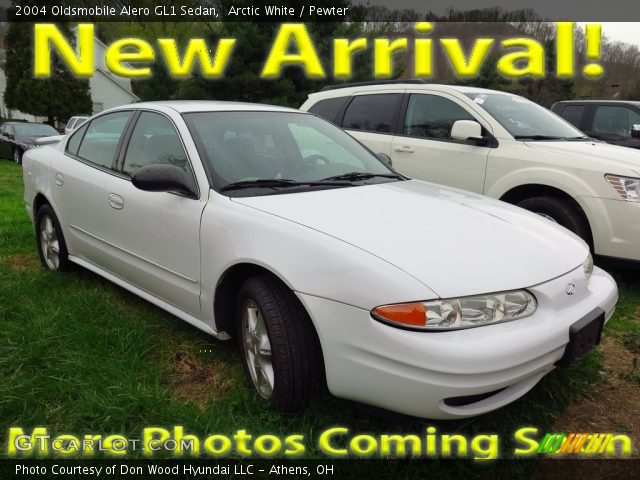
(524,119)
(35,130)
(262,153)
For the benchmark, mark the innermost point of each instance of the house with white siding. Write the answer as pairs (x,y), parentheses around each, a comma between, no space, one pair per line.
(107,90)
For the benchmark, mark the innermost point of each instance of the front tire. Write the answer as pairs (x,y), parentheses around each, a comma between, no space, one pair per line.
(561,212)
(277,344)
(52,247)
(17,156)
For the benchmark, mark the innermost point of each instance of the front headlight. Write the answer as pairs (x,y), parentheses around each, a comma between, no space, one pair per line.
(627,187)
(458,313)
(588,267)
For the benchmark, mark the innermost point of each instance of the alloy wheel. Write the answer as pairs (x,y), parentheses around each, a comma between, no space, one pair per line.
(257,349)
(49,242)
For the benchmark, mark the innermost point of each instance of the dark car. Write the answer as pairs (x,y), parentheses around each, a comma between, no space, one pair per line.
(612,121)
(16,137)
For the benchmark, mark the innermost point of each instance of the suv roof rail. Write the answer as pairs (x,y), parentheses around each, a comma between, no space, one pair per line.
(372,82)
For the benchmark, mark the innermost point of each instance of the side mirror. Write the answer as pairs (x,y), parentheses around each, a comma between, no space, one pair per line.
(164,178)
(384,158)
(466,130)
(635,130)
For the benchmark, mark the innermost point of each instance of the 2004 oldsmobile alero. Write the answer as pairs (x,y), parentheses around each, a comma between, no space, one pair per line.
(276,227)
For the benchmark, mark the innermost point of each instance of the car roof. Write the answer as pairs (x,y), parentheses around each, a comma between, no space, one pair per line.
(621,102)
(435,87)
(25,123)
(186,106)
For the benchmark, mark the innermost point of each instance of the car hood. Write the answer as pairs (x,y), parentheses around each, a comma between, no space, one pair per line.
(454,242)
(615,155)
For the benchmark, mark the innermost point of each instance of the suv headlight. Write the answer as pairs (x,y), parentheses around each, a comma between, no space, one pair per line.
(588,267)
(627,187)
(458,313)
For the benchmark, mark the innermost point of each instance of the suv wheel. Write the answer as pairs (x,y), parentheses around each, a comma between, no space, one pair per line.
(51,245)
(17,156)
(277,344)
(560,212)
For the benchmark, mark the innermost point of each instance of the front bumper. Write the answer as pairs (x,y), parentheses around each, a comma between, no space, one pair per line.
(414,372)
(615,225)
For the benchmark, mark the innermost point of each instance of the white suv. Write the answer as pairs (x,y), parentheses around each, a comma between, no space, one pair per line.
(74,123)
(501,145)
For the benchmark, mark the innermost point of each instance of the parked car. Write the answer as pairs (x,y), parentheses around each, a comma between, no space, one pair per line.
(503,146)
(278,228)
(616,122)
(18,137)
(74,123)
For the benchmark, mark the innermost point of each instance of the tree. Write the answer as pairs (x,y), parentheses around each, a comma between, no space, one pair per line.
(58,98)
(546,91)
(241,81)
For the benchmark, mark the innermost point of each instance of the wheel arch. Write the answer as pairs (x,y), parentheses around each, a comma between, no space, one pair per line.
(226,292)
(522,192)
(40,200)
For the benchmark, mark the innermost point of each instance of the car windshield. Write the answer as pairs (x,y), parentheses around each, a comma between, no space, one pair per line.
(524,119)
(34,130)
(263,153)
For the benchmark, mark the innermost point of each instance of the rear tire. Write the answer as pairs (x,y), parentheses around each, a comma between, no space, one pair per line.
(278,344)
(52,247)
(561,212)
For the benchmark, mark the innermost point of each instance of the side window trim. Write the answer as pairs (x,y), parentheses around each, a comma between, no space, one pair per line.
(126,140)
(124,143)
(589,117)
(112,169)
(343,109)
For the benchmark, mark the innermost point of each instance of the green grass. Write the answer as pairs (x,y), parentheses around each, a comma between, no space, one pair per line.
(80,355)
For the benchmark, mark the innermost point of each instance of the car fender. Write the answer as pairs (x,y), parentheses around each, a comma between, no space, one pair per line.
(307,261)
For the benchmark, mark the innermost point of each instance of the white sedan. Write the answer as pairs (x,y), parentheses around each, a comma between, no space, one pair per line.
(276,227)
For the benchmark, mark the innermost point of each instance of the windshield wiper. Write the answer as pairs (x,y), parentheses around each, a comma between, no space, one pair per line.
(353,176)
(276,183)
(537,137)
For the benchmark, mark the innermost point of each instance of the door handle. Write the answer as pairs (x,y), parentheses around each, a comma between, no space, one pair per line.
(404,148)
(116,201)
(59,179)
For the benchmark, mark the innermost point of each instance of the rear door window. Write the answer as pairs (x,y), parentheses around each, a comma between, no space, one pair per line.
(100,141)
(372,113)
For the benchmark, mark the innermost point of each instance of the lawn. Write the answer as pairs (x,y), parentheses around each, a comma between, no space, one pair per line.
(80,355)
